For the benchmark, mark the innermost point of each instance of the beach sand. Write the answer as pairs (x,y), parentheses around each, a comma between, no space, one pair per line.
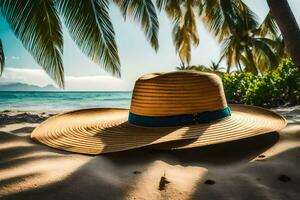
(262,167)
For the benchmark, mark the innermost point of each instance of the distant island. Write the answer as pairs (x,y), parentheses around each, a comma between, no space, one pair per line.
(26,87)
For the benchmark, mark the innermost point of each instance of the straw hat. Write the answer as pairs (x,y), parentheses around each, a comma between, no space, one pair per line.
(165,107)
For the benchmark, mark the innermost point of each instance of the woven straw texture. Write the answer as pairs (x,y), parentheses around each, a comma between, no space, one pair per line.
(177,93)
(103,130)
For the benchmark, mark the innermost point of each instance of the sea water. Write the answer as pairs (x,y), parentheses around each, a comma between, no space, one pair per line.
(62,101)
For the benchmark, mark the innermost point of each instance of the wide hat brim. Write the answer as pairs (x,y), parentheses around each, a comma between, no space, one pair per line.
(103,130)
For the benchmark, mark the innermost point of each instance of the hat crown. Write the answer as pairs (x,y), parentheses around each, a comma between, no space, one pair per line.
(177,93)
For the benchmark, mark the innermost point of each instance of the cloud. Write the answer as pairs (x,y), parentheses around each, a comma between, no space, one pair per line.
(29,76)
(40,78)
(15,57)
(95,83)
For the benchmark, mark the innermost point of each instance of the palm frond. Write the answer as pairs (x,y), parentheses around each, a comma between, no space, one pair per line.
(251,65)
(2,58)
(247,18)
(144,12)
(280,48)
(190,23)
(181,41)
(220,17)
(264,55)
(37,24)
(172,8)
(268,26)
(227,17)
(90,27)
(161,4)
(231,50)
(185,32)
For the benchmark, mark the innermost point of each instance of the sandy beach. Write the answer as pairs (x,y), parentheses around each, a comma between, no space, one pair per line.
(262,167)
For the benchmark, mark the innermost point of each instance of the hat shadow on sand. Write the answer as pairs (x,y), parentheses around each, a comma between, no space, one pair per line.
(217,154)
(188,133)
(92,174)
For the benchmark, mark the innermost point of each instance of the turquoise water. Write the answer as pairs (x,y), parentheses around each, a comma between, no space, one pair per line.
(62,101)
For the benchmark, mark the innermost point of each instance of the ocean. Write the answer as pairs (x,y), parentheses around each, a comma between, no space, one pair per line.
(62,101)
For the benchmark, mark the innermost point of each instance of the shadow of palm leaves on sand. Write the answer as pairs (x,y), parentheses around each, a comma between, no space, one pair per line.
(113,175)
(101,176)
(277,177)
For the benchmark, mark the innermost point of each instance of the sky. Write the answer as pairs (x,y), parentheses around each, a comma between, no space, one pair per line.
(136,55)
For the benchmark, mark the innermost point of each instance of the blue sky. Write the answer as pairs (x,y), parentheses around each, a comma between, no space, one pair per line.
(137,57)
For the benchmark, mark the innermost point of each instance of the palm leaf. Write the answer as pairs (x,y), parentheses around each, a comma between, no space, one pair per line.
(172,8)
(37,25)
(2,58)
(185,32)
(264,55)
(231,50)
(217,17)
(144,12)
(247,18)
(90,27)
(268,26)
(190,23)
(161,4)
(280,48)
(226,17)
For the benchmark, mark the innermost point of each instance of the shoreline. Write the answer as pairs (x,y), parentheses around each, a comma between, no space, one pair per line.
(37,116)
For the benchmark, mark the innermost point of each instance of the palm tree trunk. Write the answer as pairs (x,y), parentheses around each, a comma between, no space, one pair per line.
(239,66)
(228,68)
(288,26)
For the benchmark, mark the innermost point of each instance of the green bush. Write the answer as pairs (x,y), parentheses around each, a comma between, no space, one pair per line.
(273,88)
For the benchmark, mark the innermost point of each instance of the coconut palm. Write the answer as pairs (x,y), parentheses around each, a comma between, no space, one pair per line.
(215,67)
(245,46)
(244,41)
(38,24)
(219,16)
(183,67)
(234,24)
(288,27)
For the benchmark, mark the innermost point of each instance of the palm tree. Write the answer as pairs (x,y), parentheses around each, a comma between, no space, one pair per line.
(288,26)
(182,67)
(244,41)
(215,67)
(38,24)
(246,46)
(201,68)
(221,17)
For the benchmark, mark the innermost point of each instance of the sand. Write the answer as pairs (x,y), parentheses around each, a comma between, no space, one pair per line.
(262,167)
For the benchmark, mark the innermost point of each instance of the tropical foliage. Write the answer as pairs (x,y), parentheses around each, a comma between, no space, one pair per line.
(246,44)
(251,46)
(183,15)
(276,87)
(38,24)
(288,26)
(214,67)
